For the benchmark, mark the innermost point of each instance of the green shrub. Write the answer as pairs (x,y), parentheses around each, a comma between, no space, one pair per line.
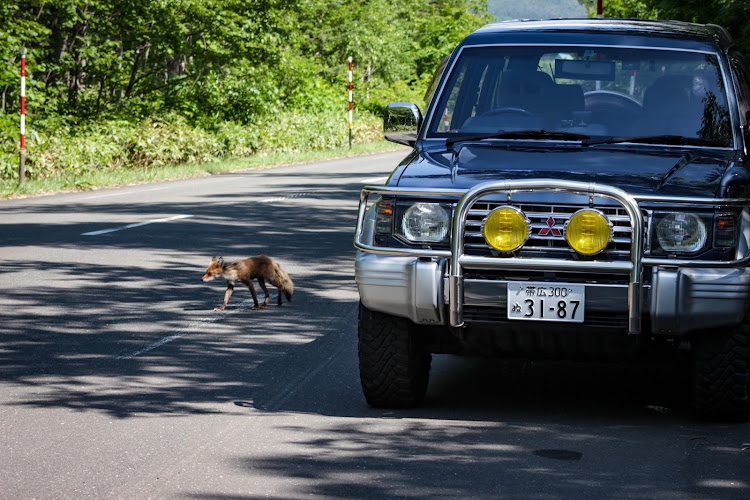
(69,150)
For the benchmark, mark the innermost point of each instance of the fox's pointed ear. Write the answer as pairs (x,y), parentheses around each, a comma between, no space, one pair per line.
(214,258)
(220,261)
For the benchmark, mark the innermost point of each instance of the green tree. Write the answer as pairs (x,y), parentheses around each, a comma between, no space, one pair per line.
(213,65)
(441,26)
(22,30)
(622,9)
(732,14)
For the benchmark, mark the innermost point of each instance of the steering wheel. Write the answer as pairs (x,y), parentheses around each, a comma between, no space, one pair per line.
(507,111)
(609,101)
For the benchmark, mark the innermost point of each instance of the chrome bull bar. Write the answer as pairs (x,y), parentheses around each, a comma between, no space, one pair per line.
(459,261)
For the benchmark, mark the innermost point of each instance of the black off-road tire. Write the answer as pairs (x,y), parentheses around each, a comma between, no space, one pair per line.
(721,374)
(394,367)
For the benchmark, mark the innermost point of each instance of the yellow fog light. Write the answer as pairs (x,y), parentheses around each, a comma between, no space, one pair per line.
(588,231)
(506,229)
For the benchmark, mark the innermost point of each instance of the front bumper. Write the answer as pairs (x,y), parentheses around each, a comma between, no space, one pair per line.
(676,302)
(402,286)
(682,295)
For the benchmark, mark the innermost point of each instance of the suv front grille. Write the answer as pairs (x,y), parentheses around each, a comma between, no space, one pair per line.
(547,222)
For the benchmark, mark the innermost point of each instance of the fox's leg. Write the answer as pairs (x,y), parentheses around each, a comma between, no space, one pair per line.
(227,294)
(272,279)
(262,284)
(250,286)
(278,287)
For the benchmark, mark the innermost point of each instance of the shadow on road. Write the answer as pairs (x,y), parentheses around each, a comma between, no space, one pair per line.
(69,351)
(488,429)
(258,358)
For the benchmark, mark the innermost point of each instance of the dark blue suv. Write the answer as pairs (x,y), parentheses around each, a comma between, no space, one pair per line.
(577,189)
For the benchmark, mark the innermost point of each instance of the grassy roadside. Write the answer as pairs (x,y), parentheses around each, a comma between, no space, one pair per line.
(123,177)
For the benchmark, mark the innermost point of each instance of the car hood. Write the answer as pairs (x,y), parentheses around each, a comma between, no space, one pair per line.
(645,170)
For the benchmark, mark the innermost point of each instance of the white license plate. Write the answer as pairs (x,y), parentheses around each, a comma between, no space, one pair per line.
(539,301)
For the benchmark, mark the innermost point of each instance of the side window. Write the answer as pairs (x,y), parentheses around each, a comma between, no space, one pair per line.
(435,80)
(448,108)
(742,84)
(462,101)
(469,89)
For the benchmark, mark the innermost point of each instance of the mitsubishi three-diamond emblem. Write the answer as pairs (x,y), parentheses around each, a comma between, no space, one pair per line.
(550,228)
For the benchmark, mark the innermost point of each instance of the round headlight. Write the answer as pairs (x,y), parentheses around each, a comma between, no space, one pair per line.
(588,231)
(506,229)
(681,233)
(425,222)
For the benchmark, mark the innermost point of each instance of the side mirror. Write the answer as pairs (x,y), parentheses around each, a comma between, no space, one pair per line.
(402,122)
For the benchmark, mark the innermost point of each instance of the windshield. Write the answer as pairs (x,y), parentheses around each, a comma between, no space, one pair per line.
(598,92)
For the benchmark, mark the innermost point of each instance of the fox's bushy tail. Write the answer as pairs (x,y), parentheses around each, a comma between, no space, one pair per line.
(284,282)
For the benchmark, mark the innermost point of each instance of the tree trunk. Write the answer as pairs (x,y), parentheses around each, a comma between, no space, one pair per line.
(102,85)
(75,78)
(133,72)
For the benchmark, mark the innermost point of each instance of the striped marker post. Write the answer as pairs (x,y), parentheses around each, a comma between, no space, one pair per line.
(350,102)
(22,166)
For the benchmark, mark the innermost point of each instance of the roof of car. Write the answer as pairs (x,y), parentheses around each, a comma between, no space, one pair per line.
(629,28)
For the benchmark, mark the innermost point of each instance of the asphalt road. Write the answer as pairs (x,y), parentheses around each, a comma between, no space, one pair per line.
(117,380)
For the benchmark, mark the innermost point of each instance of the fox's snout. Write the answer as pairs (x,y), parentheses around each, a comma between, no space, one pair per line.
(212,271)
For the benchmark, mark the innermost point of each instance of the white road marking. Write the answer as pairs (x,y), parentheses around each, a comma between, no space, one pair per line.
(181,333)
(121,193)
(374,179)
(287,197)
(129,226)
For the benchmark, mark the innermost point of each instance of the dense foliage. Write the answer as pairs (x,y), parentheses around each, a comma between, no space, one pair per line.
(732,14)
(230,77)
(124,83)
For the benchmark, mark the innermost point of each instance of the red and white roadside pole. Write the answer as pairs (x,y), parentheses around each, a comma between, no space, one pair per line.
(599,9)
(350,102)
(22,166)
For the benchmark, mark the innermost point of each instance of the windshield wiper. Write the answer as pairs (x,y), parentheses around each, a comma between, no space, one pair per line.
(519,134)
(676,140)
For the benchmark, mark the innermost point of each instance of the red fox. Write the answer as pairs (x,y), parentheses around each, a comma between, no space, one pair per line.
(262,268)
